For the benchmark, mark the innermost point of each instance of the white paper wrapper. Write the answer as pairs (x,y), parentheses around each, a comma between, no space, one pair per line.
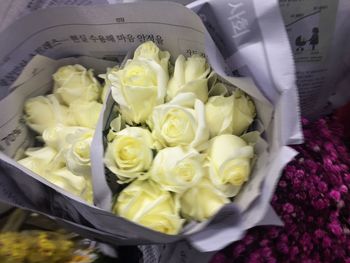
(112,31)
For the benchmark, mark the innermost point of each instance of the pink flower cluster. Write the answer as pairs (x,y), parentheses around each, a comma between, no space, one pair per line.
(313,200)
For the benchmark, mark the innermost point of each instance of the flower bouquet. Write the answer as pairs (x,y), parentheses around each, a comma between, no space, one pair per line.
(177,147)
(171,148)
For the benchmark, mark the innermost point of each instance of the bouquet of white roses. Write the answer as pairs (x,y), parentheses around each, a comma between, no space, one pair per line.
(175,139)
(65,122)
(168,138)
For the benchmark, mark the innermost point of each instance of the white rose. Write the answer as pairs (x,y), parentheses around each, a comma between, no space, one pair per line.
(107,85)
(129,155)
(42,112)
(145,203)
(104,93)
(56,136)
(42,161)
(243,112)
(85,113)
(115,126)
(74,184)
(87,193)
(78,154)
(202,201)
(138,88)
(229,159)
(38,160)
(75,82)
(176,169)
(149,50)
(219,115)
(190,75)
(180,122)
(229,115)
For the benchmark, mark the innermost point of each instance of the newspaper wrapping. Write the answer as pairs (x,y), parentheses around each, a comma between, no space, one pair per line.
(249,62)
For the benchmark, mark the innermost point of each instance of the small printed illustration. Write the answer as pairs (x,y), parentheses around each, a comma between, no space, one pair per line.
(314,38)
(300,41)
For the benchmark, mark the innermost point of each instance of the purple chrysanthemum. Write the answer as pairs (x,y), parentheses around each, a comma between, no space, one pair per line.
(312,199)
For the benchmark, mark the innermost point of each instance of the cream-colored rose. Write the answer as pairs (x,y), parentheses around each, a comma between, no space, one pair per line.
(243,112)
(229,162)
(149,50)
(87,193)
(190,75)
(176,169)
(78,154)
(180,122)
(107,84)
(202,201)
(104,93)
(45,111)
(74,82)
(219,113)
(85,113)
(130,155)
(145,203)
(115,126)
(38,160)
(138,88)
(74,184)
(43,162)
(56,136)
(229,115)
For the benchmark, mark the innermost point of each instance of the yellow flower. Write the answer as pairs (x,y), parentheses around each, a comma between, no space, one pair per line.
(13,247)
(48,247)
(34,247)
(145,203)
